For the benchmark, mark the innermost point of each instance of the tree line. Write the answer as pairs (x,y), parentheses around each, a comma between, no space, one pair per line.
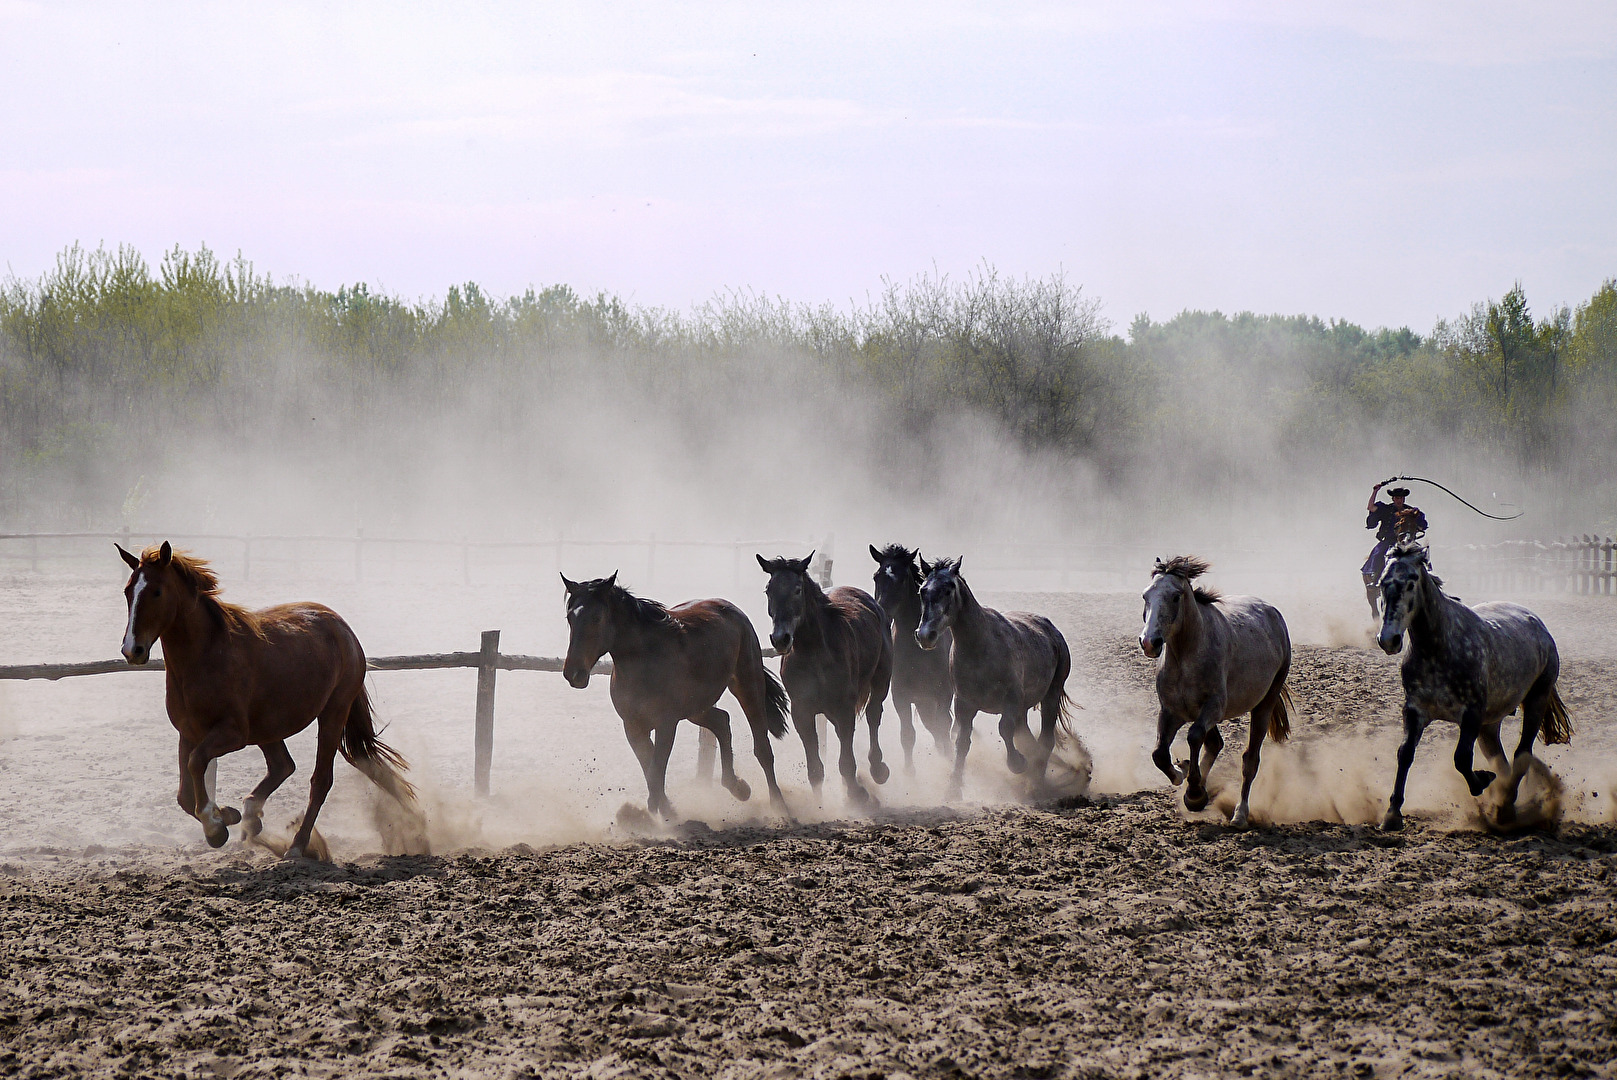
(105,356)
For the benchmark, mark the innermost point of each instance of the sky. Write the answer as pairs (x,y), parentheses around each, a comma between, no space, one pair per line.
(1387,163)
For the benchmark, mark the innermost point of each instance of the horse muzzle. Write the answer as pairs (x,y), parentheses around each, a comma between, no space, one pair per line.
(781,642)
(927,637)
(137,653)
(1152,647)
(1390,640)
(577,675)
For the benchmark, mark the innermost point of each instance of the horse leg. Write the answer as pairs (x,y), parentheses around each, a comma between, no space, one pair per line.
(662,747)
(1414,726)
(750,692)
(1470,727)
(879,771)
(706,743)
(935,718)
(332,723)
(847,763)
(1249,760)
(1049,721)
(963,716)
(1010,722)
(224,738)
(803,720)
(638,733)
(1162,756)
(1203,732)
(715,728)
(187,796)
(1534,706)
(906,733)
(280,766)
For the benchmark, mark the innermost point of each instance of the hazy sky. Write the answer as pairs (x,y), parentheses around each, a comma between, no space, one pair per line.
(1383,162)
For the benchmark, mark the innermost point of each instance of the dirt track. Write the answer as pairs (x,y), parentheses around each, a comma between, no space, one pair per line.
(1109,939)
(1112,937)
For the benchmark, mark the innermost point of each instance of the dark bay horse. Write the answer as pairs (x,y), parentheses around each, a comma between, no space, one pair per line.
(836,659)
(1003,663)
(241,678)
(1472,667)
(1220,657)
(671,664)
(920,676)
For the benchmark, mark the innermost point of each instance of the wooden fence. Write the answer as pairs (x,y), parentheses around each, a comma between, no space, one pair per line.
(1585,565)
(488,660)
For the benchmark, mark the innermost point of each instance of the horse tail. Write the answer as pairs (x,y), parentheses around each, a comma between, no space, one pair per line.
(1280,716)
(776,703)
(1557,724)
(370,755)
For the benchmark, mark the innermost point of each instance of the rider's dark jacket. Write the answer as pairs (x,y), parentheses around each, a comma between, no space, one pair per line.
(1384,520)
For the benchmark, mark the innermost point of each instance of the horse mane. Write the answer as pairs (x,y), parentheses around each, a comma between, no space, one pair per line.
(1413,550)
(1188,568)
(200,578)
(641,610)
(898,551)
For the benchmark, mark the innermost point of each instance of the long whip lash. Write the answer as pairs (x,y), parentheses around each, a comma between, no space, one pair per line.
(1484,513)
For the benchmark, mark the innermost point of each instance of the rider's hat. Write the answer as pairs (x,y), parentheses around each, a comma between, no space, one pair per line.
(1395,492)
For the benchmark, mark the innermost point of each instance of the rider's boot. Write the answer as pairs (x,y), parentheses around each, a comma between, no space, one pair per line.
(1372,593)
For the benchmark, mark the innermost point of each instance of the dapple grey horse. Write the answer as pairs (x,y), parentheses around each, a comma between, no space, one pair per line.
(1472,667)
(1220,657)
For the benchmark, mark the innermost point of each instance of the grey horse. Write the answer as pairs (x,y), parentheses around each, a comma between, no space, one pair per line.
(1003,663)
(1472,667)
(1217,658)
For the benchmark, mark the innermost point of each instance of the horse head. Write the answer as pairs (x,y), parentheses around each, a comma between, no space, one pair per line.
(1402,588)
(153,594)
(940,600)
(896,577)
(1168,597)
(788,595)
(589,627)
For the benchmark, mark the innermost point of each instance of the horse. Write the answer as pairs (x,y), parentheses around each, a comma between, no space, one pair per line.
(671,664)
(836,659)
(240,678)
(1471,666)
(1003,663)
(920,677)
(1218,657)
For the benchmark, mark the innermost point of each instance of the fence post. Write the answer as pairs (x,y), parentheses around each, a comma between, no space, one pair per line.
(483,742)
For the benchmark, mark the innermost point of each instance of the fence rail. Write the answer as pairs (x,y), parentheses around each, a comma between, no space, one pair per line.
(488,660)
(1585,565)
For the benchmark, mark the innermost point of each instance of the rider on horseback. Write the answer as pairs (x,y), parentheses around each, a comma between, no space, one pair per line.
(1393,522)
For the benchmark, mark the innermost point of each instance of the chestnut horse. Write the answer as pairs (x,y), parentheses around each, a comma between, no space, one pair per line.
(921,682)
(241,678)
(671,664)
(1003,663)
(836,659)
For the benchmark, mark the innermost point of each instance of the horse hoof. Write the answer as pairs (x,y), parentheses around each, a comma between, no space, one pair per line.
(216,837)
(1238,820)
(1015,762)
(954,793)
(230,814)
(1195,803)
(1506,815)
(1480,781)
(879,771)
(251,827)
(1393,822)
(740,789)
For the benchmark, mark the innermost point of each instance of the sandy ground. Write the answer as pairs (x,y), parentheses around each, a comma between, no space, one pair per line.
(1109,935)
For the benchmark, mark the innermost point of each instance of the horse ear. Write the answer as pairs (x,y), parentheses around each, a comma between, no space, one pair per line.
(609,582)
(763,563)
(134,563)
(805,563)
(571,586)
(926,567)
(164,554)
(874,554)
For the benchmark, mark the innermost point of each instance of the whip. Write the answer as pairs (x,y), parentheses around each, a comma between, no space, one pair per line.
(1434,483)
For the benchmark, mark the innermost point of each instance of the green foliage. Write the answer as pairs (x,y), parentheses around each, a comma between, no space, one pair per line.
(100,357)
